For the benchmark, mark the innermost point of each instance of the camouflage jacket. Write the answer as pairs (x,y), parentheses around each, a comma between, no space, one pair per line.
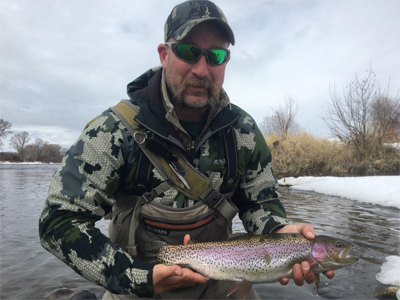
(103,161)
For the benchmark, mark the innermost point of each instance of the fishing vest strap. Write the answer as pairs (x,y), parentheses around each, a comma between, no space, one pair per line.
(228,185)
(175,168)
(142,174)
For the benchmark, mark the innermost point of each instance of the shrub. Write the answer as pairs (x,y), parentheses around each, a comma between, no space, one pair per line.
(303,154)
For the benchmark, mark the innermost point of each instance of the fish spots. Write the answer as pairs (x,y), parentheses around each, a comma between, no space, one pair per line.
(254,258)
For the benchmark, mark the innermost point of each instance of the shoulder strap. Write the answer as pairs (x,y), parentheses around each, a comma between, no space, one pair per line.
(231,156)
(198,186)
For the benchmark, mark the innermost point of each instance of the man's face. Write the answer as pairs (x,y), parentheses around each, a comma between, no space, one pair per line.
(194,85)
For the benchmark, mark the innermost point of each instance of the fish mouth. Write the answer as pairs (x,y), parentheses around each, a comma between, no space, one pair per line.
(345,257)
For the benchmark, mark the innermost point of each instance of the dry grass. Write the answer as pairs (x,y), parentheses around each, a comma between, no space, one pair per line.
(302,154)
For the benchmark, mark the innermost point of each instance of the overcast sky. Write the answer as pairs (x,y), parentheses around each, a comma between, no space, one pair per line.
(63,62)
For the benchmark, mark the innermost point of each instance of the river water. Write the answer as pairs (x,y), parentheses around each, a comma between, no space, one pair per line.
(30,272)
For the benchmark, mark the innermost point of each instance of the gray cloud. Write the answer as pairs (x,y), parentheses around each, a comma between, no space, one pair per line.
(64,62)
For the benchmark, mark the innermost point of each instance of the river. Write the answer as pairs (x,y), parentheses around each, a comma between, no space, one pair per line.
(29,272)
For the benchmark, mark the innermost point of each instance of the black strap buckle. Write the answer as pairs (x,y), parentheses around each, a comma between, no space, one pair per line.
(213,199)
(150,196)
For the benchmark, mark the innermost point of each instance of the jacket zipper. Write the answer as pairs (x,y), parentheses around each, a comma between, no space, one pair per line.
(192,149)
(210,133)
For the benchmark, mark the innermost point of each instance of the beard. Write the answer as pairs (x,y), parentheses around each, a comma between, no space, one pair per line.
(180,97)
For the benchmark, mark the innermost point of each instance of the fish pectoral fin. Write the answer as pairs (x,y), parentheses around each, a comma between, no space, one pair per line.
(317,281)
(317,278)
(312,268)
(241,288)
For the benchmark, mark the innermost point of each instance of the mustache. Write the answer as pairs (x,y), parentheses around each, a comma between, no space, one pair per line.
(196,82)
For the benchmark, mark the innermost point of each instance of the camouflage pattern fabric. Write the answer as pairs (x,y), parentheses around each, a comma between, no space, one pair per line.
(103,161)
(185,16)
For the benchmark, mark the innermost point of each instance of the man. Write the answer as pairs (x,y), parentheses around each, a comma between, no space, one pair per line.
(186,120)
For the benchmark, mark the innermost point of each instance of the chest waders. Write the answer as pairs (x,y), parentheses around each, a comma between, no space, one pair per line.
(138,220)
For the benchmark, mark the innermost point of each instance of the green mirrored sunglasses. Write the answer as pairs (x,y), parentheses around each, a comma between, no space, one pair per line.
(192,54)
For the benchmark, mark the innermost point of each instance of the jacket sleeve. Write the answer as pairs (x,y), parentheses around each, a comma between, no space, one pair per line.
(81,193)
(256,196)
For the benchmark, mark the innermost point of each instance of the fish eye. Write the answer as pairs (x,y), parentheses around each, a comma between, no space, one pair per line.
(339,244)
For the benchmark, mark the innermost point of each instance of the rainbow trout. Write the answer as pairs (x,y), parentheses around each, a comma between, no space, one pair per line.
(252,258)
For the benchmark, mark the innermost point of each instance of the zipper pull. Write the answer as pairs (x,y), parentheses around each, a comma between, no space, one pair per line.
(192,151)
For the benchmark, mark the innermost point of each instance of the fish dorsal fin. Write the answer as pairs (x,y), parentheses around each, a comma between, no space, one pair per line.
(240,236)
(193,242)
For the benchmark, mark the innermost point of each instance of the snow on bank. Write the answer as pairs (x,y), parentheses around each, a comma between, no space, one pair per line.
(390,272)
(382,190)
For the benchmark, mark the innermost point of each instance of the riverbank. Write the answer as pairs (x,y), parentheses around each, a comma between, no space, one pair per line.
(303,154)
(381,190)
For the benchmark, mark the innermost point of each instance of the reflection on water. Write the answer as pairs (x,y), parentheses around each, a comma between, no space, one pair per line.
(30,272)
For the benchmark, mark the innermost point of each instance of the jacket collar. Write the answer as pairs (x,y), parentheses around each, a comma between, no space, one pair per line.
(157,113)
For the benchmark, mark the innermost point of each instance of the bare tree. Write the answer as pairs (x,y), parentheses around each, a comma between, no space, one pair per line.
(4,130)
(385,116)
(52,153)
(43,151)
(18,142)
(282,120)
(39,146)
(357,117)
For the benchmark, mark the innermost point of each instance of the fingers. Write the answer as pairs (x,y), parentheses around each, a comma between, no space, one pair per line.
(306,230)
(190,276)
(308,275)
(298,275)
(284,280)
(171,277)
(329,274)
(303,273)
(186,239)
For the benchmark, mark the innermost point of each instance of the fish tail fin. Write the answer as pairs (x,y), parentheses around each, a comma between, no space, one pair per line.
(242,289)
(152,248)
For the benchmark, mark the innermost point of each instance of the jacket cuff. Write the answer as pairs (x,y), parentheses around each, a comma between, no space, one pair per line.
(274,224)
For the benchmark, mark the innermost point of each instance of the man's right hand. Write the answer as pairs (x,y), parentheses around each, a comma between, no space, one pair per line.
(167,278)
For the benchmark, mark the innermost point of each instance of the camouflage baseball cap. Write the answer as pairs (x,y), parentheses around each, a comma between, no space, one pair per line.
(185,16)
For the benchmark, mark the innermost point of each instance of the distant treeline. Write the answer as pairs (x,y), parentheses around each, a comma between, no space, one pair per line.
(40,150)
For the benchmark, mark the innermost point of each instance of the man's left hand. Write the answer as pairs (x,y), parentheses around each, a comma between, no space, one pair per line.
(300,270)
